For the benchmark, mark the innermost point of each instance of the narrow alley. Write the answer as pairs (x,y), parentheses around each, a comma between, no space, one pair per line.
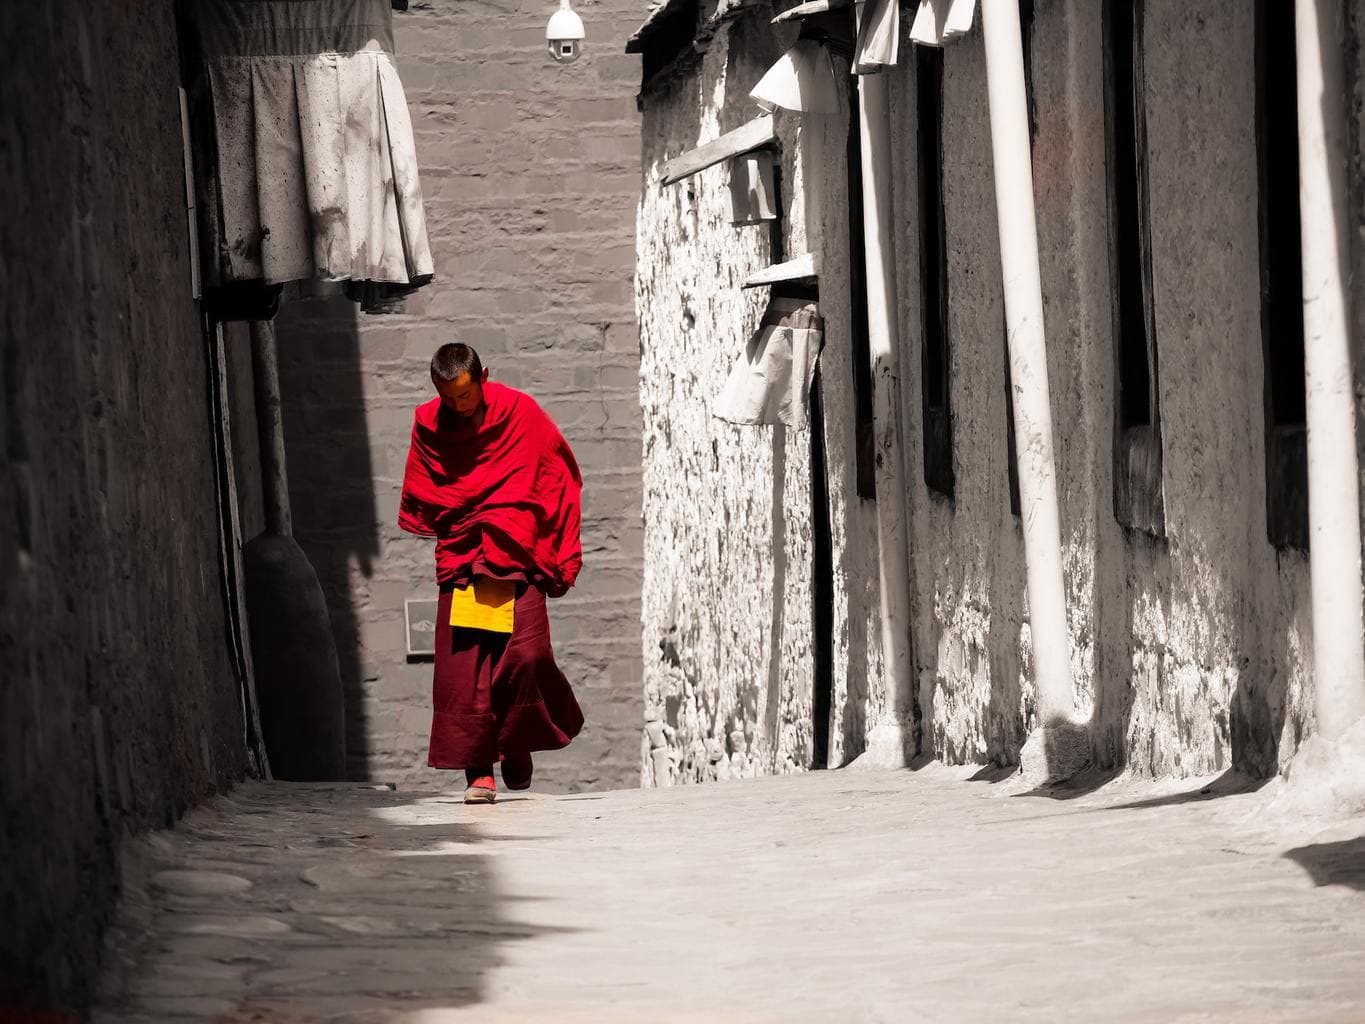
(752,511)
(833,896)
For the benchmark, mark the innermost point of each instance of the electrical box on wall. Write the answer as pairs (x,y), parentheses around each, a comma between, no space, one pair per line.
(420,617)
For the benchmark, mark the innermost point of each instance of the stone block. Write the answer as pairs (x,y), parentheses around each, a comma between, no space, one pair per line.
(623,338)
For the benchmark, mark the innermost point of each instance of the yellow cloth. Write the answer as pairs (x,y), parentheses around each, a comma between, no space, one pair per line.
(485,604)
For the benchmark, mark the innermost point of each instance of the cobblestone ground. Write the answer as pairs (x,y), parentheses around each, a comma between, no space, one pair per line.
(836,896)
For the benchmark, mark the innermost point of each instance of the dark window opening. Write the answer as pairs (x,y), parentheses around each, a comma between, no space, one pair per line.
(1026,33)
(936,363)
(1277,137)
(1012,450)
(667,41)
(864,433)
(822,583)
(1137,422)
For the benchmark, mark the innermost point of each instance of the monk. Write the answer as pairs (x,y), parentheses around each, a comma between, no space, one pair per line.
(491,478)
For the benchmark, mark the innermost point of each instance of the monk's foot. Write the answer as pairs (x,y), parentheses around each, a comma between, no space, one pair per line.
(516,770)
(479,786)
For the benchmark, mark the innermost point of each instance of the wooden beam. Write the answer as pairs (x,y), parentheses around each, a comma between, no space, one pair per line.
(793,270)
(809,9)
(755,134)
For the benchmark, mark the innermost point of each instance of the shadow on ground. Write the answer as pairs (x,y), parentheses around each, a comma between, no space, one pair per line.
(1339,863)
(358,899)
(1230,783)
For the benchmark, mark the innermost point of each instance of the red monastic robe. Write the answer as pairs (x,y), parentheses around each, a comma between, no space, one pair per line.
(502,501)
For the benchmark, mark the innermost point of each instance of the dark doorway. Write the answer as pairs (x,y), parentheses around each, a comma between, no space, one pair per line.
(936,358)
(822,583)
(863,430)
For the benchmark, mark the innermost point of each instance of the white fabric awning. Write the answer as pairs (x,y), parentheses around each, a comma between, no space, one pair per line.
(771,381)
(878,43)
(308,170)
(938,22)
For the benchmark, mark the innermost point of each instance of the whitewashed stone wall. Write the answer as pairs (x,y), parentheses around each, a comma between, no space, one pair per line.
(1191,654)
(727,599)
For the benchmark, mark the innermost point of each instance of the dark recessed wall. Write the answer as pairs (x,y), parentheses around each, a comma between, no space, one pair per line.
(118,703)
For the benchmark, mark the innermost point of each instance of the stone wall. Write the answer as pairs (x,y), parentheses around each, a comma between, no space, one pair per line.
(529,173)
(1192,652)
(120,706)
(728,636)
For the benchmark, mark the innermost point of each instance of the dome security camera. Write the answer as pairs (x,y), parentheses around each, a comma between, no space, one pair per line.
(564,34)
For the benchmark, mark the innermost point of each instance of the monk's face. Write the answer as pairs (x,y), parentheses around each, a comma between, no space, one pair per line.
(464,395)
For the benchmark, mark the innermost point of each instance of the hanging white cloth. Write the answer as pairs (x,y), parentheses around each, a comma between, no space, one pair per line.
(941,21)
(312,171)
(879,30)
(753,194)
(771,381)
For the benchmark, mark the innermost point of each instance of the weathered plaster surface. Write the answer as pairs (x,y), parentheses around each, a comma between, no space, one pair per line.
(727,603)
(860,697)
(1190,653)
(967,551)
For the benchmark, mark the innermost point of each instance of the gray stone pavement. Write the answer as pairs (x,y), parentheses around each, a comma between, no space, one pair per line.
(835,896)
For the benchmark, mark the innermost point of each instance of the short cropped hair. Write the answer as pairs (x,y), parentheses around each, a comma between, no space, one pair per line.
(453,359)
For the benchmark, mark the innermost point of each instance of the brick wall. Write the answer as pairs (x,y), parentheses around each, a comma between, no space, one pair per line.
(530,173)
(118,705)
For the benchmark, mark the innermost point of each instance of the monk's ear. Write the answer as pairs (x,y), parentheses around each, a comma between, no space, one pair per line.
(484,378)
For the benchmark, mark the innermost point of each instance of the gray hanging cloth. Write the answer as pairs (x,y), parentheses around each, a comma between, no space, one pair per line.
(771,381)
(305,164)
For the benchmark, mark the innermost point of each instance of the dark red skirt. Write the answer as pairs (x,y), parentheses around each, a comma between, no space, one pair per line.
(493,694)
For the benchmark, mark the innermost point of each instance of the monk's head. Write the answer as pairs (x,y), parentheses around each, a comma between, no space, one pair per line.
(459,377)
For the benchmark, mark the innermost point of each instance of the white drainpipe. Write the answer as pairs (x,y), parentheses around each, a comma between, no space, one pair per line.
(1333,475)
(1028,358)
(891,741)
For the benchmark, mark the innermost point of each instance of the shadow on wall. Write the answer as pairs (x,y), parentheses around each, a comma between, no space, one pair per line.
(1143,565)
(854,720)
(331,481)
(1260,703)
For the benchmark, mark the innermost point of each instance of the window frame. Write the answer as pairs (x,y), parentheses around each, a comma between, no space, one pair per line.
(1138,485)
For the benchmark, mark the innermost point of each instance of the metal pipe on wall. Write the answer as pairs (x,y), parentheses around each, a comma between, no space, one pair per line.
(1333,471)
(1012,156)
(279,519)
(891,741)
